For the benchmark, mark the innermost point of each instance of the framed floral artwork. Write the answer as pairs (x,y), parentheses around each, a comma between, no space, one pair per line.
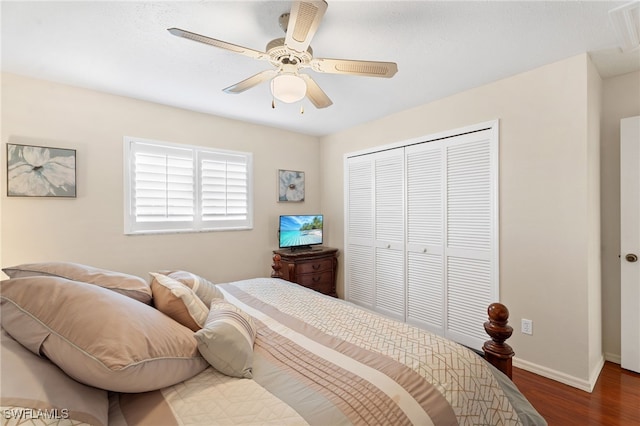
(38,171)
(290,186)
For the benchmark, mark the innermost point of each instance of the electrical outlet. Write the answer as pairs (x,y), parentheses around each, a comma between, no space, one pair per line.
(527,326)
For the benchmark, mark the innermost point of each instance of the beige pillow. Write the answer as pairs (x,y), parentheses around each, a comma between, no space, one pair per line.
(203,288)
(96,336)
(227,339)
(129,285)
(30,382)
(178,301)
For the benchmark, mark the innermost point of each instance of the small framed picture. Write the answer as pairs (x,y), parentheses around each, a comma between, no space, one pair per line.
(290,186)
(38,171)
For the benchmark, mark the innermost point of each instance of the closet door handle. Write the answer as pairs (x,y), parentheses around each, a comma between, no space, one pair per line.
(631,258)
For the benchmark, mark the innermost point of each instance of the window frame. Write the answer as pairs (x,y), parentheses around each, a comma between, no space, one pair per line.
(199,153)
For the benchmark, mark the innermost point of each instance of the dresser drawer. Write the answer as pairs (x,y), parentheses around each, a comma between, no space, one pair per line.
(322,282)
(313,266)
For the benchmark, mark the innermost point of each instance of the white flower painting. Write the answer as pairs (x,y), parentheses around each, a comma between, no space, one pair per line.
(35,171)
(291,185)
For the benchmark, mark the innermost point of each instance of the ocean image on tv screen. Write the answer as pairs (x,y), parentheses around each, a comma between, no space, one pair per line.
(300,230)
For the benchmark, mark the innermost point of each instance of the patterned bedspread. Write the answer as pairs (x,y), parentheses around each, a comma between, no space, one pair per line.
(320,360)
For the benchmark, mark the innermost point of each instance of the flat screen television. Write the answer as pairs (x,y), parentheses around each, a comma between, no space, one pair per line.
(300,231)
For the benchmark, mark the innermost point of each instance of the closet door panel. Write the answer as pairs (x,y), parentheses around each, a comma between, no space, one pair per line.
(359,275)
(359,255)
(389,232)
(471,226)
(469,195)
(425,291)
(360,200)
(468,295)
(389,197)
(425,236)
(390,287)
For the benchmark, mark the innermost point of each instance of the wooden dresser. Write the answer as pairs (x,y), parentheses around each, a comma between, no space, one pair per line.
(315,268)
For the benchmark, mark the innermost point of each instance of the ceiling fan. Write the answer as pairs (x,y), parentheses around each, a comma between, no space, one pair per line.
(293,53)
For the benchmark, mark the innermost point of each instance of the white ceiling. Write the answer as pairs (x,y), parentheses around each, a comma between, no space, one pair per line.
(441,48)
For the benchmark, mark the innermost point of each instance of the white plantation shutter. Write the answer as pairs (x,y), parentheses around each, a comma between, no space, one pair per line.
(183,188)
(224,188)
(163,182)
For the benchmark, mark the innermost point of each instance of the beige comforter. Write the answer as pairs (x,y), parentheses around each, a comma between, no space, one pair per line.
(320,360)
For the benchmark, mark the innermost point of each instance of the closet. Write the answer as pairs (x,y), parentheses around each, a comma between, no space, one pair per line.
(421,231)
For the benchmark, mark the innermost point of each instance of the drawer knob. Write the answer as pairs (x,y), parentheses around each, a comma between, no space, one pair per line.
(316,266)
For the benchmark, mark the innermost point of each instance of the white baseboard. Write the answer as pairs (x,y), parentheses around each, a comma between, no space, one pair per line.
(615,358)
(585,385)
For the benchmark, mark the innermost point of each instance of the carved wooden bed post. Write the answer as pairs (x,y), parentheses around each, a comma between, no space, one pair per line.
(496,351)
(276,266)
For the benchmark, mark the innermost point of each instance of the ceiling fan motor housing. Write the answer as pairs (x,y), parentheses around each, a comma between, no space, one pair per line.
(280,54)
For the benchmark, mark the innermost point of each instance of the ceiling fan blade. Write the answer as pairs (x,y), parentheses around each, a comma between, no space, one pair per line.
(304,19)
(348,66)
(250,82)
(315,94)
(256,54)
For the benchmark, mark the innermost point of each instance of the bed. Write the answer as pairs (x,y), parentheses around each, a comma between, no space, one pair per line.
(82,345)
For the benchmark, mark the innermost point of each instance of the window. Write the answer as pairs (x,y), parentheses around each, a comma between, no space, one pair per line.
(183,188)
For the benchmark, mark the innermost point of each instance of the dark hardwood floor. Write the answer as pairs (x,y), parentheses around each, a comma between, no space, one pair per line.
(615,399)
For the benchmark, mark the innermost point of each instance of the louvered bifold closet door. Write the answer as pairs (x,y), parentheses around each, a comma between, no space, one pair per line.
(422,232)
(389,233)
(359,255)
(425,236)
(471,231)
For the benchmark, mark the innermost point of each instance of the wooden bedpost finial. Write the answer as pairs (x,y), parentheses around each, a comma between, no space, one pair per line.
(497,352)
(276,266)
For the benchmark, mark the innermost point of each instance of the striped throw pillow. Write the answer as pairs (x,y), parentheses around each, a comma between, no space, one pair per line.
(202,287)
(226,340)
(178,301)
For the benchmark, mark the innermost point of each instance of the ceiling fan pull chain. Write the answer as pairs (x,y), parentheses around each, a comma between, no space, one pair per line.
(273,103)
(302,109)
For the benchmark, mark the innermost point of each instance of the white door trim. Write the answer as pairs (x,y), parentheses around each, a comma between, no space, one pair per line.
(630,243)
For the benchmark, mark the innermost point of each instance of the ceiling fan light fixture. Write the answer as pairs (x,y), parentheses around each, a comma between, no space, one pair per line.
(288,88)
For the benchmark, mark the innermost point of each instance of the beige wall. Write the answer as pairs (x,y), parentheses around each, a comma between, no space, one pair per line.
(547,180)
(620,99)
(89,229)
